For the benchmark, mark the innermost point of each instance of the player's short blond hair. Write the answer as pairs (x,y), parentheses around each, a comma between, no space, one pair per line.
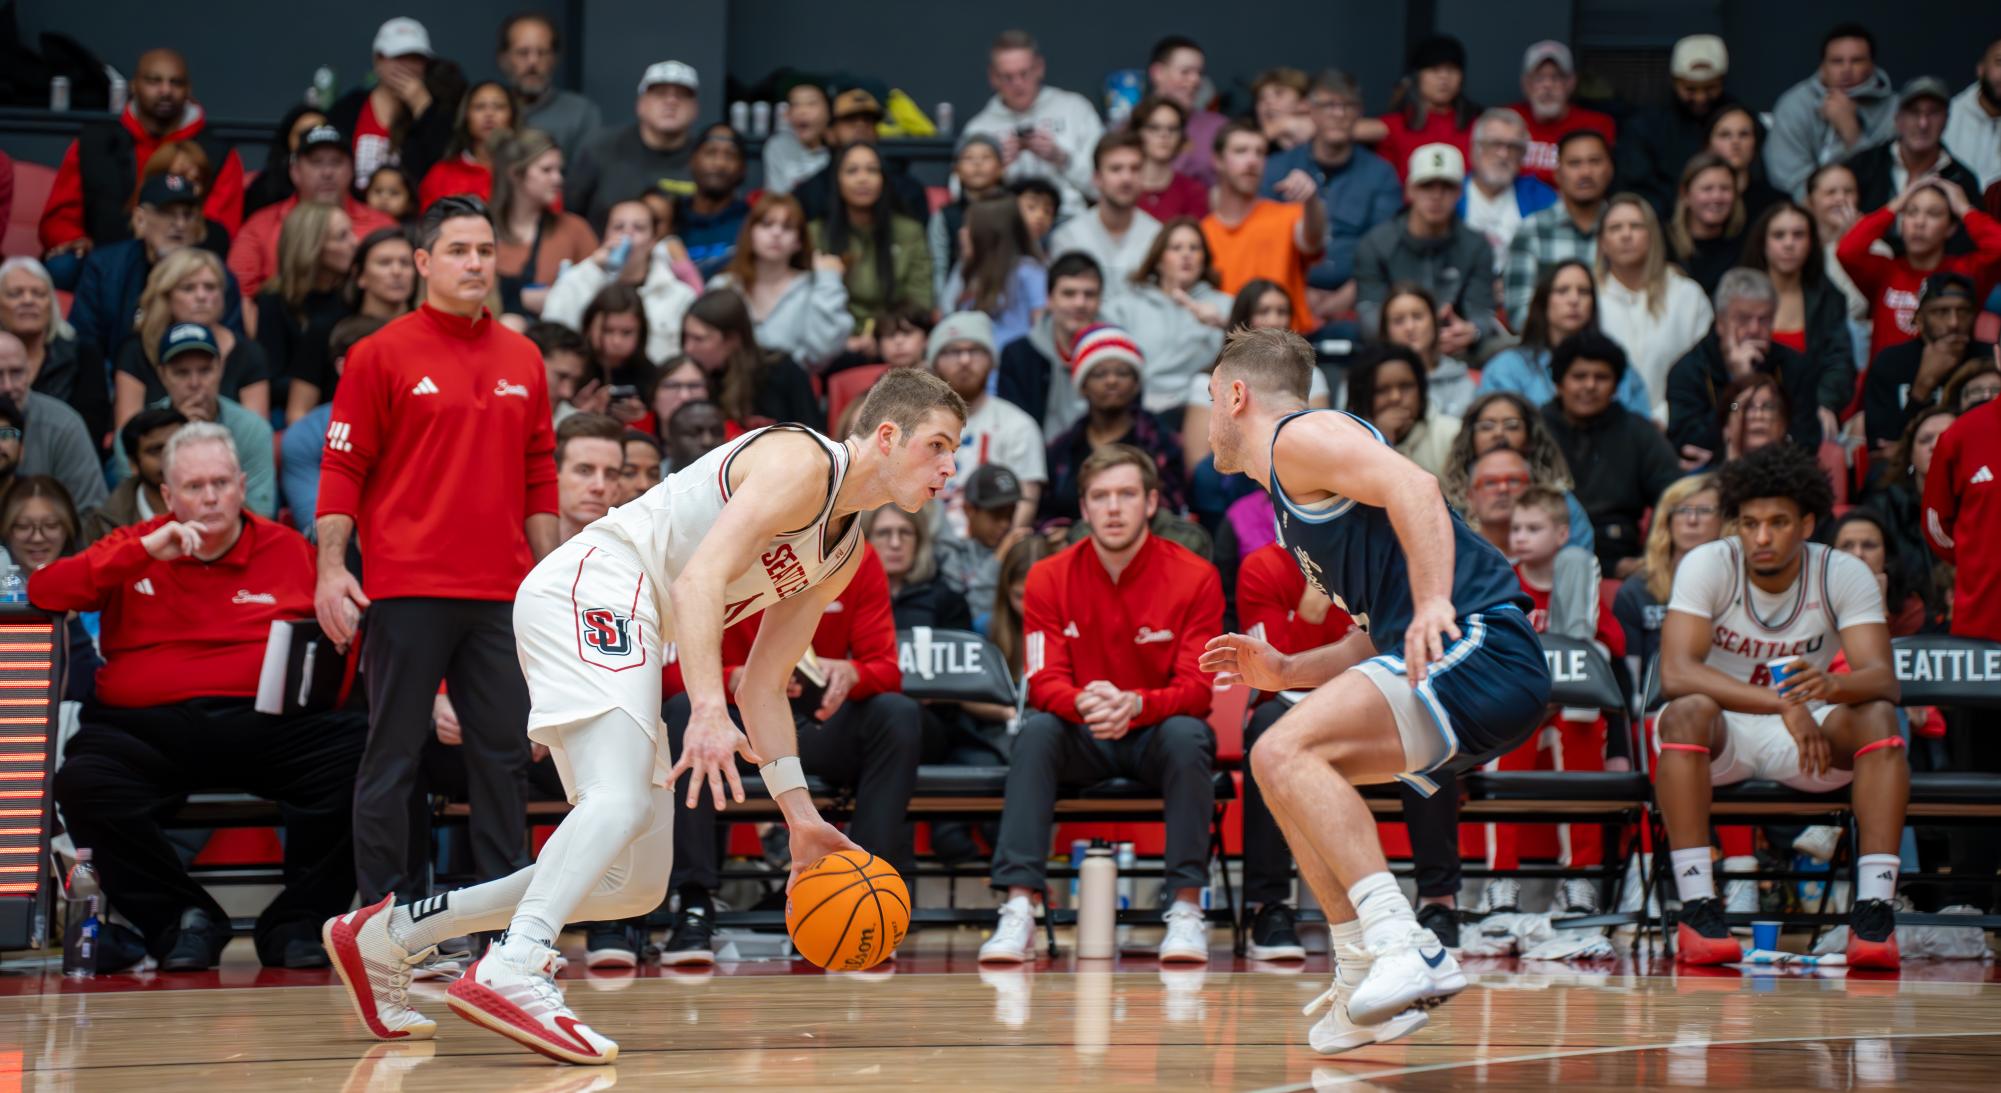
(904,396)
(1269,361)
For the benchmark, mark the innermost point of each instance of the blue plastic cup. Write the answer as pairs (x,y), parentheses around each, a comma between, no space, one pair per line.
(1780,669)
(1765,935)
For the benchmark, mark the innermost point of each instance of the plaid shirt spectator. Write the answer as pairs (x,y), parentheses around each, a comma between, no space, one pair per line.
(1544,237)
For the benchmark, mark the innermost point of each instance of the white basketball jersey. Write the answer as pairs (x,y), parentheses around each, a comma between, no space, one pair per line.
(665,526)
(1749,628)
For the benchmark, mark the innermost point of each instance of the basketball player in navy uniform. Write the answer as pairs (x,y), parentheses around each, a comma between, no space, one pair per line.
(769,522)
(1442,672)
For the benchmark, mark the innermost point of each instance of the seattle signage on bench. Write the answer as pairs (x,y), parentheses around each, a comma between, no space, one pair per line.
(1579,675)
(1943,670)
(953,664)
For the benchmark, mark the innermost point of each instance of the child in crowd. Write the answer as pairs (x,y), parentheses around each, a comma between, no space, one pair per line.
(988,499)
(1038,201)
(902,331)
(977,170)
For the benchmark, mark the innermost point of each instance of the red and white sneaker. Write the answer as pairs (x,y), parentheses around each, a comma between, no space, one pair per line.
(1872,936)
(376,971)
(523,1003)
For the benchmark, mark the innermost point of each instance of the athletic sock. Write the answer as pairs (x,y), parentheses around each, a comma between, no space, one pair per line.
(1693,875)
(1383,911)
(1878,876)
(1021,905)
(522,948)
(423,923)
(1347,943)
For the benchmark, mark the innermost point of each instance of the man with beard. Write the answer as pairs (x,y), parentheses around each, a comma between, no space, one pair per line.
(1252,237)
(1973,127)
(1501,195)
(530,50)
(1549,79)
(1658,141)
(87,201)
(709,219)
(1848,104)
(1567,229)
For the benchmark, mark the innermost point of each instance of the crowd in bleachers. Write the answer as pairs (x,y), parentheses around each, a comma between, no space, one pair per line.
(1575,318)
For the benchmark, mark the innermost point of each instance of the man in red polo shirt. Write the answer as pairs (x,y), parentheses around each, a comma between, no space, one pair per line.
(322,170)
(859,732)
(1549,78)
(188,598)
(88,202)
(441,453)
(1114,626)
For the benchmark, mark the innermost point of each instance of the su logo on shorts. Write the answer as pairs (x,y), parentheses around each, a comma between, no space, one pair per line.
(607,631)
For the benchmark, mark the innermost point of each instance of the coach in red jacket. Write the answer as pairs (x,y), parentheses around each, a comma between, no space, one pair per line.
(1114,626)
(862,734)
(440,451)
(188,599)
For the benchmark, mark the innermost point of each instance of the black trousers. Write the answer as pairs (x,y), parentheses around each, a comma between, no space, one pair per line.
(1975,854)
(410,646)
(870,746)
(1433,823)
(127,771)
(1175,757)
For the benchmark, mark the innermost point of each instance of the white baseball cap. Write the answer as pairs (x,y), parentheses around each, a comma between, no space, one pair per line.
(1549,49)
(1437,163)
(401,37)
(1699,57)
(677,73)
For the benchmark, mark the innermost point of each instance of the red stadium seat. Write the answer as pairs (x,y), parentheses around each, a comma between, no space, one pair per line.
(1986,328)
(848,385)
(32,183)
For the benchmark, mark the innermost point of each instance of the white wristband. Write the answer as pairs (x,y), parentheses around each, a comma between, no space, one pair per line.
(782,774)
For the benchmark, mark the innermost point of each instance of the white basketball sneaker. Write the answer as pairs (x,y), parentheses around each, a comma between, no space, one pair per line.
(1013,940)
(1406,971)
(1337,1032)
(376,971)
(1187,937)
(523,1003)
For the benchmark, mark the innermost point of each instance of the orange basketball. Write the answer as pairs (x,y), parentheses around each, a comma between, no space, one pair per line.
(849,910)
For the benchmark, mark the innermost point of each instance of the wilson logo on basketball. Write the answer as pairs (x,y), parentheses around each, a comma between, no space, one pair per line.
(607,631)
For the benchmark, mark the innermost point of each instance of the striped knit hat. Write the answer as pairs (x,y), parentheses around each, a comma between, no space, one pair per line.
(1101,342)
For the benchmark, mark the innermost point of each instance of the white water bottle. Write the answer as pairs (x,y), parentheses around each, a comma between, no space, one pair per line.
(1097,904)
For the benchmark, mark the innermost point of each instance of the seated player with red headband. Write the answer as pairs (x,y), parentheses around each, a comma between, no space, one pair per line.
(1753,622)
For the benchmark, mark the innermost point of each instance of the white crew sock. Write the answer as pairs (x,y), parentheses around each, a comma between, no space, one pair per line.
(1350,960)
(1694,878)
(1878,874)
(1383,911)
(1021,905)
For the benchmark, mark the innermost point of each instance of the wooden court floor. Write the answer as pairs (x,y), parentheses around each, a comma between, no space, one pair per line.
(937,1022)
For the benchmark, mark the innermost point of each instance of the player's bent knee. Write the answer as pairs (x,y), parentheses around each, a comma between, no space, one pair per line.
(1690,719)
(1275,754)
(1040,730)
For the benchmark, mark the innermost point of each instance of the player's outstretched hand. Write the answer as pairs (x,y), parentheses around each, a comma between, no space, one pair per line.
(812,841)
(709,749)
(1235,658)
(1433,626)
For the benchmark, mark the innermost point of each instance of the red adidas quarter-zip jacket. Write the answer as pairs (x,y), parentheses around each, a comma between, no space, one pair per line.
(1144,632)
(185,629)
(440,446)
(1963,518)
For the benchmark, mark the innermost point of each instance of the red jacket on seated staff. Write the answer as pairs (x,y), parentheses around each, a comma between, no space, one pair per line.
(1144,633)
(185,629)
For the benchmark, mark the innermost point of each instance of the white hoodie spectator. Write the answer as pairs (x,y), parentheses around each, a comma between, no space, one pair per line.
(1044,132)
(666,296)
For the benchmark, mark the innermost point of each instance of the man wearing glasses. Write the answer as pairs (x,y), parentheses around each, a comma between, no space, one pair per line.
(530,50)
(1500,194)
(1358,187)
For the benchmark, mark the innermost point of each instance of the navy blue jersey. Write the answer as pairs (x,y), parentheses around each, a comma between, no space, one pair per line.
(1350,552)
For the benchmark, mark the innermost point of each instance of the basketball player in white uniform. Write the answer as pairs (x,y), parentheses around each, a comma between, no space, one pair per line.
(769,522)
(1765,596)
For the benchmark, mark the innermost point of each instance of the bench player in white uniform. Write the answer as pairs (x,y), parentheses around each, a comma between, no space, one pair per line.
(769,522)
(1760,595)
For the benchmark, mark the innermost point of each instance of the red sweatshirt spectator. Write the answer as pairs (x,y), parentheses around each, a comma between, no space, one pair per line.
(1963,517)
(1114,626)
(322,170)
(1549,78)
(440,448)
(1432,106)
(1923,216)
(858,733)
(100,172)
(188,598)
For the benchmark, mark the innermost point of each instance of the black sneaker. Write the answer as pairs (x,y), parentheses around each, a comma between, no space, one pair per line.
(1274,936)
(1442,921)
(194,948)
(610,945)
(690,943)
(1702,937)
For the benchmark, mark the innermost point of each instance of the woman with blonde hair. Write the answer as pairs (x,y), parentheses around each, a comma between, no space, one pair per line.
(1707,229)
(1688,514)
(60,364)
(186,287)
(797,298)
(1646,305)
(534,238)
(316,250)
